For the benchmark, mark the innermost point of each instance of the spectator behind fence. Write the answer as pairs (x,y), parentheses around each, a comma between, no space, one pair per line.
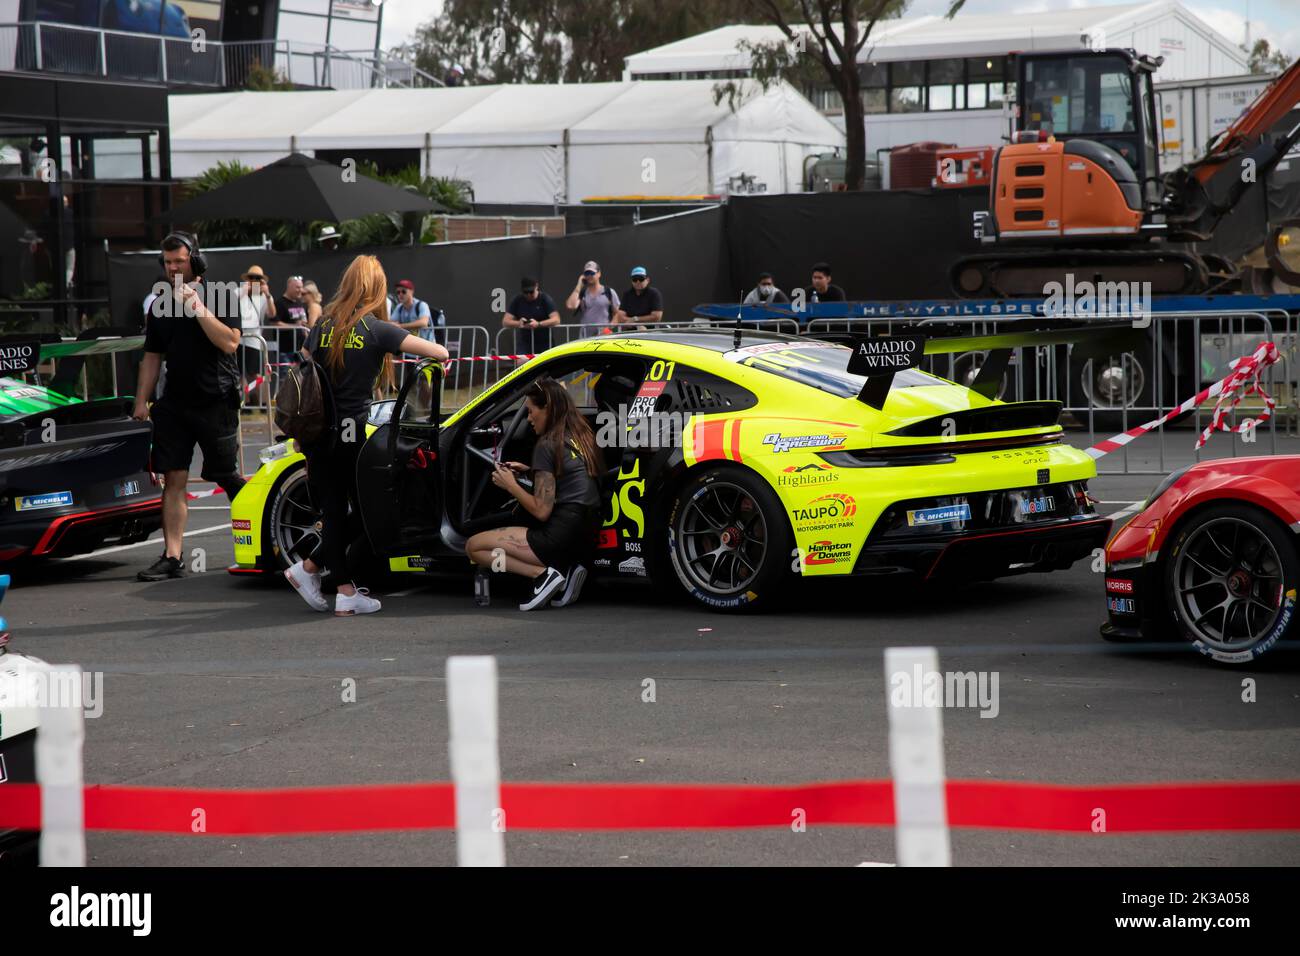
(201,398)
(766,292)
(311,295)
(593,305)
(417,316)
(643,301)
(531,315)
(329,239)
(821,289)
(290,313)
(256,309)
(351,345)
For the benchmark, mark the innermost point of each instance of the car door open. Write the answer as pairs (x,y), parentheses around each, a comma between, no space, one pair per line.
(399,470)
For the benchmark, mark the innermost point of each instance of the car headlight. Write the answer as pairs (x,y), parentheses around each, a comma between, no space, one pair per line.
(1165,485)
(273,452)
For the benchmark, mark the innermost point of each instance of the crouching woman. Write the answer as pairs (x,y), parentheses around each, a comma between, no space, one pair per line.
(564,505)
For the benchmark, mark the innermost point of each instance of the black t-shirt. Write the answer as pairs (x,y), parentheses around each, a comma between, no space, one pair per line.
(363,357)
(198,373)
(833,293)
(540,308)
(636,304)
(533,339)
(573,486)
(290,312)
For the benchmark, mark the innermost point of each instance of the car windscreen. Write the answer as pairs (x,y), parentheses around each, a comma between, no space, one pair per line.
(820,365)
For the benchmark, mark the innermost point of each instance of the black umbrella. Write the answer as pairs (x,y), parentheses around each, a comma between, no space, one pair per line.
(300,189)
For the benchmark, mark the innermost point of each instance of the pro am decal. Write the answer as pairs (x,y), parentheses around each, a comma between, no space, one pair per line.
(51,499)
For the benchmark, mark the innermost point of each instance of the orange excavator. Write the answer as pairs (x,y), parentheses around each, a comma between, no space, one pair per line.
(1078,190)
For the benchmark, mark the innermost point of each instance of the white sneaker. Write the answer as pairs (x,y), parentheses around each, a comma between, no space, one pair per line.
(572,586)
(359,603)
(307,585)
(545,585)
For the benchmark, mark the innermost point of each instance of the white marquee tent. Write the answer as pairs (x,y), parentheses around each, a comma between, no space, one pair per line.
(525,143)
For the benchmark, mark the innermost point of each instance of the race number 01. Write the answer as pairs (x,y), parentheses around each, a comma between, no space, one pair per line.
(662,371)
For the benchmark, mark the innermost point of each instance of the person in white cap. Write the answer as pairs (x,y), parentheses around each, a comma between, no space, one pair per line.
(329,238)
(455,76)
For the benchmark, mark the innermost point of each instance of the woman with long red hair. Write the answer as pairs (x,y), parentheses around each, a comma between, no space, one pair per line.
(352,343)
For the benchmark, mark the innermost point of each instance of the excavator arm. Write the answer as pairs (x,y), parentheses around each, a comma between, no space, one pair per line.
(1246,134)
(1201,193)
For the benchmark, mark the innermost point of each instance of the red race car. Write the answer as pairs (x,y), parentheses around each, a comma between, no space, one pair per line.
(1212,556)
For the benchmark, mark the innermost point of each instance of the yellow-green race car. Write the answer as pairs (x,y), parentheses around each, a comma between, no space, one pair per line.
(733,459)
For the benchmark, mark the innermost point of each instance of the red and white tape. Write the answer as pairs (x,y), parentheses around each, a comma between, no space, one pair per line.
(1243,380)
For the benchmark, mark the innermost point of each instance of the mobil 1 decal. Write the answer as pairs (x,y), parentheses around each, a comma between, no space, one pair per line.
(879,358)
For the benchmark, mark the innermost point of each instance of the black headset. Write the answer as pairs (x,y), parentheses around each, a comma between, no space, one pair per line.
(198,265)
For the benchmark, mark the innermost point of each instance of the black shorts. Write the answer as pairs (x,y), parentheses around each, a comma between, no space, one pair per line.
(177,428)
(568,536)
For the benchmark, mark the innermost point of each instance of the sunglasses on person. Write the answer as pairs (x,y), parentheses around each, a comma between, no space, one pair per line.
(532,291)
(640,278)
(295,278)
(588,272)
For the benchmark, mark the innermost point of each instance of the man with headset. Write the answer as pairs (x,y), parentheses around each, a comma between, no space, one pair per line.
(200,400)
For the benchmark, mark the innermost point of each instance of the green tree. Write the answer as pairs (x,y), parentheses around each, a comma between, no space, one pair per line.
(554,41)
(1265,59)
(826,37)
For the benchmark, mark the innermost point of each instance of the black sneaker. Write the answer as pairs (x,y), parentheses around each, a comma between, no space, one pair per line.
(572,586)
(545,585)
(162,569)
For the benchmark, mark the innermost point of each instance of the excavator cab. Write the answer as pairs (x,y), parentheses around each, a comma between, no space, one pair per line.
(1104,97)
(1078,191)
(1083,161)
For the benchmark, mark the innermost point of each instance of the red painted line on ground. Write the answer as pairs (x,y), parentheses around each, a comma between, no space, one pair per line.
(1129,808)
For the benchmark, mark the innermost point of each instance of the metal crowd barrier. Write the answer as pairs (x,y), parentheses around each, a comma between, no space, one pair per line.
(259,398)
(1103,396)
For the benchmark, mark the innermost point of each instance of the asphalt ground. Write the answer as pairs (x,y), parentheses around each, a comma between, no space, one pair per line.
(229,682)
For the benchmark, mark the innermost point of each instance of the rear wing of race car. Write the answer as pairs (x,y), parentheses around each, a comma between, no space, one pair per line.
(19,354)
(880,357)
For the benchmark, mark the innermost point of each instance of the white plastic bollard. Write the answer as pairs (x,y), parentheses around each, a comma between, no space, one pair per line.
(60,733)
(475,761)
(916,758)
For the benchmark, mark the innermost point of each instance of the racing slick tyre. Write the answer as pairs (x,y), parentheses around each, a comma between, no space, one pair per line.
(1230,578)
(729,540)
(292,522)
(292,528)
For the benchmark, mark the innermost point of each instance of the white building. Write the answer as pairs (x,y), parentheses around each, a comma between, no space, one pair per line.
(930,78)
(524,143)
